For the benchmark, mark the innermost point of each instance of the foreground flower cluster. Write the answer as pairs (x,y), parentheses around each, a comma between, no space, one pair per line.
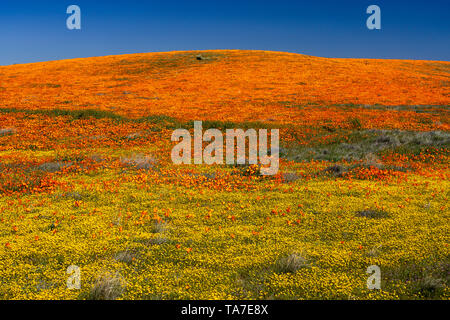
(86,178)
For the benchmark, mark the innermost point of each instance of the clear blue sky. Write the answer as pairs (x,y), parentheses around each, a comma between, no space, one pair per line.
(35,30)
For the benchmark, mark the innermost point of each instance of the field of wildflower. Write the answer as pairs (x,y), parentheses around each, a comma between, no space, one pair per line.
(86,178)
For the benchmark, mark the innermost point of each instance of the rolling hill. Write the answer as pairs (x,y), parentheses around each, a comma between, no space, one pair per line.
(223,85)
(87,183)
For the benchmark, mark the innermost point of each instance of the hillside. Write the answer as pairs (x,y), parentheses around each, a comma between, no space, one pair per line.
(87,181)
(224,85)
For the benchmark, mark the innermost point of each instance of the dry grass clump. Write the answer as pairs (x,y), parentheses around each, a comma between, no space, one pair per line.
(373,214)
(134,136)
(291,263)
(430,287)
(425,280)
(289,177)
(159,227)
(336,170)
(108,287)
(96,158)
(54,166)
(372,160)
(140,162)
(159,240)
(7,132)
(125,256)
(395,138)
(375,251)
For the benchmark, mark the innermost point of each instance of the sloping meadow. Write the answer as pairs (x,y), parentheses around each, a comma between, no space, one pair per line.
(86,178)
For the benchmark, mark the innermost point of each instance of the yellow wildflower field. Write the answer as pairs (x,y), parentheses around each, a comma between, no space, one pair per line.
(86,179)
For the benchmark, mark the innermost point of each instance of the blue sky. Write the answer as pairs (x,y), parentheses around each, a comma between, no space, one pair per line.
(32,31)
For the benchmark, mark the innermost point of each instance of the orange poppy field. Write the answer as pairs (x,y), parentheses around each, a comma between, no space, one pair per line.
(87,180)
